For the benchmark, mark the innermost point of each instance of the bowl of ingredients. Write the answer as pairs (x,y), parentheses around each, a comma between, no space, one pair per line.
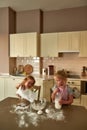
(38,105)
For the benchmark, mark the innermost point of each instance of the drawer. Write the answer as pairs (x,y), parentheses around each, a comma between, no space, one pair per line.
(74,82)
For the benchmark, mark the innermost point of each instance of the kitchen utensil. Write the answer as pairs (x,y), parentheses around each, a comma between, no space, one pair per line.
(38,105)
(20,69)
(28,69)
(51,70)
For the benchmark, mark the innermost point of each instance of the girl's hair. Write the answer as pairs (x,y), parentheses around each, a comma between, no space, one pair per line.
(32,78)
(61,74)
(28,77)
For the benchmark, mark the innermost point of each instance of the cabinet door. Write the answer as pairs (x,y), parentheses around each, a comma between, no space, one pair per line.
(10,86)
(84,100)
(77,84)
(75,41)
(1,89)
(83,44)
(31,47)
(47,84)
(16,45)
(68,41)
(24,45)
(49,45)
(63,42)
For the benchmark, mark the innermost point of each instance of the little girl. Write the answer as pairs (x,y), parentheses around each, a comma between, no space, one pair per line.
(62,88)
(25,89)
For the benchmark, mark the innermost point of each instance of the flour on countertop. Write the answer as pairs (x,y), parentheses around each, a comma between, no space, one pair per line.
(26,116)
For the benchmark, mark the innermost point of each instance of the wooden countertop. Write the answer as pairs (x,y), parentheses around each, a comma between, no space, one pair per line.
(75,118)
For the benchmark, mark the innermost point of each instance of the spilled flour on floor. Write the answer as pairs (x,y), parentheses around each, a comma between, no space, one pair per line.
(26,116)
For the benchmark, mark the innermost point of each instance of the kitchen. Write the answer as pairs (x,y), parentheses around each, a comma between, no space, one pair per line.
(65,20)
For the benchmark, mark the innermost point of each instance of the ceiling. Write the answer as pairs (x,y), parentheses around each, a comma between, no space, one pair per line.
(45,5)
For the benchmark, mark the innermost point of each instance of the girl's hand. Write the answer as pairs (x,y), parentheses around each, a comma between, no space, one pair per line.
(61,102)
(23,87)
(53,96)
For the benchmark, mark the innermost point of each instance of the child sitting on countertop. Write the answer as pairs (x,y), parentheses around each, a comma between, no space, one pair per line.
(62,88)
(25,89)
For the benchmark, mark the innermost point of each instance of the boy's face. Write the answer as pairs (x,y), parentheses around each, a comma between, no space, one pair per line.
(60,82)
(29,83)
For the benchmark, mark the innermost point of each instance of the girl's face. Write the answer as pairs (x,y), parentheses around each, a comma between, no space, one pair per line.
(60,82)
(29,83)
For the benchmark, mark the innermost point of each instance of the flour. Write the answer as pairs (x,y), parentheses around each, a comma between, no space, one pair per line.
(26,116)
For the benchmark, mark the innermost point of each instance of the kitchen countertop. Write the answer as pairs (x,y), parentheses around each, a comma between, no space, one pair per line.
(45,77)
(75,118)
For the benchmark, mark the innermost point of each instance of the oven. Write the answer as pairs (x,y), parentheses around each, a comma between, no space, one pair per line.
(84,87)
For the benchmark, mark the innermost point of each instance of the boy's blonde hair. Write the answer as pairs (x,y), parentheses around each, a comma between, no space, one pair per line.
(61,74)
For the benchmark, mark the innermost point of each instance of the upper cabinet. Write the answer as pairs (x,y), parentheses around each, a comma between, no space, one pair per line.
(83,44)
(24,45)
(49,45)
(68,41)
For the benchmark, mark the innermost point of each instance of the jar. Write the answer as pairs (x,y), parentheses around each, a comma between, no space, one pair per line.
(51,70)
(57,99)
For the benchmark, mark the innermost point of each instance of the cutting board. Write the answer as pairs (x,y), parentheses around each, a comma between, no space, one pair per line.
(28,69)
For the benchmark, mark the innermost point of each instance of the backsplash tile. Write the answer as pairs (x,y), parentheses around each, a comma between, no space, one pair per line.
(69,61)
(34,61)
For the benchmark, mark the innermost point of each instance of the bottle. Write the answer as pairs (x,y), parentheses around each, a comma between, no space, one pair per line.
(57,99)
(83,71)
(44,71)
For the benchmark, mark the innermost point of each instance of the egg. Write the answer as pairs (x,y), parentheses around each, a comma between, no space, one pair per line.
(39,112)
(47,111)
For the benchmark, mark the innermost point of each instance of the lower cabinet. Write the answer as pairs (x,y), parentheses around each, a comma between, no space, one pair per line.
(47,84)
(77,84)
(10,86)
(1,88)
(84,100)
(45,87)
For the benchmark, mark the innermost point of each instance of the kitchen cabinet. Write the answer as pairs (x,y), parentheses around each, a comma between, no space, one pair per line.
(16,45)
(84,100)
(1,88)
(77,84)
(49,45)
(47,85)
(24,45)
(10,86)
(83,44)
(68,41)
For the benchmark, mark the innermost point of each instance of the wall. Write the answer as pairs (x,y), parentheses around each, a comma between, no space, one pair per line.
(69,61)
(72,19)
(4,38)
(28,21)
(4,62)
(52,21)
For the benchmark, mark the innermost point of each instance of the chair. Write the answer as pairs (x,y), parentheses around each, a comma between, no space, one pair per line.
(37,89)
(50,94)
